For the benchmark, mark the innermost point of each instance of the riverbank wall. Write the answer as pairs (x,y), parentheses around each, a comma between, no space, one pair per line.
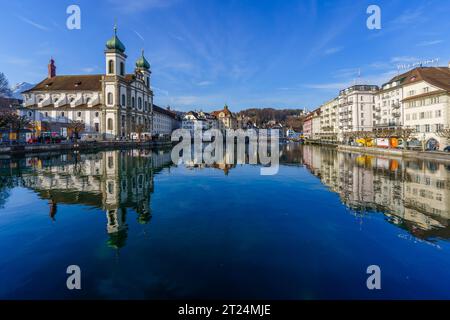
(411,154)
(87,146)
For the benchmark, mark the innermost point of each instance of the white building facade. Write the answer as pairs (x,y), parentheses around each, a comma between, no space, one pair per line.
(111,104)
(163,121)
(426,104)
(356,109)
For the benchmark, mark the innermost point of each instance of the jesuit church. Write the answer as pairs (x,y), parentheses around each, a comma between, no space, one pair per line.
(113,104)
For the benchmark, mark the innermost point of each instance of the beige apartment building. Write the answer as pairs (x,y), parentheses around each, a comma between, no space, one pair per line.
(356,109)
(388,112)
(329,120)
(426,104)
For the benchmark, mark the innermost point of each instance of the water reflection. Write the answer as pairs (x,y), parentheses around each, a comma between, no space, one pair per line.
(413,194)
(114,181)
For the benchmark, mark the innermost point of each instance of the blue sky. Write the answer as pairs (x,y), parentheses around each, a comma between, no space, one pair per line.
(246,53)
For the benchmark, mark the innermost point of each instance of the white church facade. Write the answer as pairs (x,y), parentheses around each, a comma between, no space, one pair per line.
(112,105)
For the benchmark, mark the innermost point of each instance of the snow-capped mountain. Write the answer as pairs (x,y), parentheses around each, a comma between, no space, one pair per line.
(19,88)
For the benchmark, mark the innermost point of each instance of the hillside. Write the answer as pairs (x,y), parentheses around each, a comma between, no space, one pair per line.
(288,117)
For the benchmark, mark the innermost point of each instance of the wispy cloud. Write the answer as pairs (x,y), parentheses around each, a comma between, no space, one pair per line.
(160,91)
(410,16)
(346,72)
(17,61)
(89,69)
(403,59)
(139,35)
(328,86)
(34,24)
(429,43)
(331,51)
(204,83)
(133,6)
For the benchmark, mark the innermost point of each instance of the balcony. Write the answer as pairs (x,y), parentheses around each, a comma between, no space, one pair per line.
(395,106)
(396,114)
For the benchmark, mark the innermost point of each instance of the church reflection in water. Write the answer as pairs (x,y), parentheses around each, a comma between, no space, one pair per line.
(413,194)
(114,181)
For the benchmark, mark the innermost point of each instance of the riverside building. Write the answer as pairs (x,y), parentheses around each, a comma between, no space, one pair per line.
(356,109)
(426,104)
(112,104)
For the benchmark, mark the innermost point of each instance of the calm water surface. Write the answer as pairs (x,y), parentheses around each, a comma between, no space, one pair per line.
(142,228)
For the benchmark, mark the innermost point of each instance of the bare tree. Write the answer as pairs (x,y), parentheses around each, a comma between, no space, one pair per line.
(444,133)
(77,127)
(14,122)
(139,129)
(5,91)
(405,134)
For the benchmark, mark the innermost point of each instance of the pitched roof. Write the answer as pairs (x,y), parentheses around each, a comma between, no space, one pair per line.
(163,111)
(436,76)
(69,83)
(225,110)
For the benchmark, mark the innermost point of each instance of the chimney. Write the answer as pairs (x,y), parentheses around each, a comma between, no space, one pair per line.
(51,69)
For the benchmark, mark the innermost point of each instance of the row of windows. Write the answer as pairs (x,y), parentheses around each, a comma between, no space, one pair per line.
(122,71)
(111,68)
(429,128)
(424,115)
(110,101)
(413,92)
(62,114)
(423,102)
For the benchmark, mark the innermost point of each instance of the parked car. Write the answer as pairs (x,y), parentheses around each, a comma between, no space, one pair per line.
(447,149)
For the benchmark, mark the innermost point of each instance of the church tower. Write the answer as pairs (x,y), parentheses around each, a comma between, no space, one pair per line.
(115,56)
(143,69)
(114,90)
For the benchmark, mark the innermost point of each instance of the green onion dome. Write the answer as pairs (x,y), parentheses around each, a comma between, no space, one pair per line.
(142,62)
(114,43)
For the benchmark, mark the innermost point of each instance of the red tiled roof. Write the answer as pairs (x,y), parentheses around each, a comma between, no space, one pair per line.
(436,76)
(69,83)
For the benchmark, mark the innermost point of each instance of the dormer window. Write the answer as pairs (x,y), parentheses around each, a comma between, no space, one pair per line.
(77,83)
(48,84)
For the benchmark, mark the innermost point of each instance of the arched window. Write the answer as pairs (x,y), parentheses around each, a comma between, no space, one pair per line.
(110,124)
(110,66)
(110,98)
(132,102)
(122,69)
(148,82)
(123,100)
(140,102)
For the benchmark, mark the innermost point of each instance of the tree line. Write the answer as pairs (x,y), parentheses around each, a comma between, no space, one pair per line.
(292,118)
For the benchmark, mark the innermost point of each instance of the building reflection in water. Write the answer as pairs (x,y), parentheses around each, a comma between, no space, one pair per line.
(114,181)
(411,193)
